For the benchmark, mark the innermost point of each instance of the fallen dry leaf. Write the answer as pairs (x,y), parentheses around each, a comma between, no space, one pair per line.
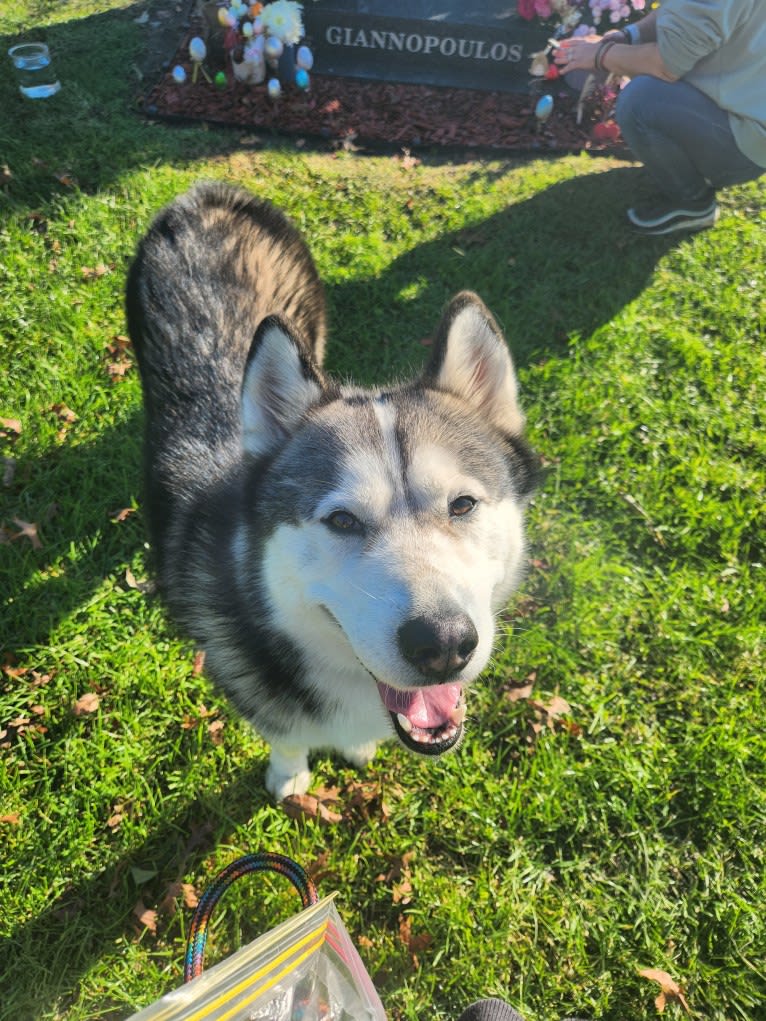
(203,713)
(365,798)
(407,160)
(215,729)
(146,916)
(145,585)
(87,703)
(299,806)
(518,691)
(177,889)
(123,514)
(414,942)
(63,412)
(10,426)
(539,565)
(554,709)
(94,272)
(119,361)
(670,990)
(28,530)
(10,819)
(190,895)
(66,179)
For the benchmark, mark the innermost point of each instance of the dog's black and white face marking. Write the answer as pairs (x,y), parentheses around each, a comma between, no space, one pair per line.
(406,536)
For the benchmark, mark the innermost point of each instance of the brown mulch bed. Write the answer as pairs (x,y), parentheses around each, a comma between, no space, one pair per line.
(343,111)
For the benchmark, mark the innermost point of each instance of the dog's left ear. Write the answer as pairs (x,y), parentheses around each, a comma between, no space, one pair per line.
(471,360)
(281,382)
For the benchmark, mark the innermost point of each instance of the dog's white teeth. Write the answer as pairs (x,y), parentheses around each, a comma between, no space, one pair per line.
(404,723)
(458,714)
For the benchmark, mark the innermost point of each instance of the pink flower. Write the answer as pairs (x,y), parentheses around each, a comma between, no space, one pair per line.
(526,9)
(543,8)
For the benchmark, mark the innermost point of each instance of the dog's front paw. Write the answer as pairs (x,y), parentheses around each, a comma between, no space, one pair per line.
(361,755)
(288,771)
(282,785)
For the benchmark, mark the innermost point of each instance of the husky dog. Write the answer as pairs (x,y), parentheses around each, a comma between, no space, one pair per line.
(339,553)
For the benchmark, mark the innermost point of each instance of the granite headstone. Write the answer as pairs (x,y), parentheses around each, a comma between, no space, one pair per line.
(469,45)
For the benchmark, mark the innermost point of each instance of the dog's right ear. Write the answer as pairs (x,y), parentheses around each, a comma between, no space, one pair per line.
(280,384)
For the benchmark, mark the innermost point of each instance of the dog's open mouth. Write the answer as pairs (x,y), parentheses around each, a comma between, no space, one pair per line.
(428,721)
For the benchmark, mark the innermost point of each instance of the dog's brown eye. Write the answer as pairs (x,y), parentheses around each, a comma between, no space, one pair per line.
(343,521)
(461,506)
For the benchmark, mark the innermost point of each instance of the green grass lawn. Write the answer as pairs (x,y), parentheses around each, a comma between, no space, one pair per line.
(566,845)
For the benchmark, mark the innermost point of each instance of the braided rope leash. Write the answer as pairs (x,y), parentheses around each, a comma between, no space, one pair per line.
(263,861)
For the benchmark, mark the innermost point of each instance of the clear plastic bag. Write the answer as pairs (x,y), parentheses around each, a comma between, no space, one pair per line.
(306,969)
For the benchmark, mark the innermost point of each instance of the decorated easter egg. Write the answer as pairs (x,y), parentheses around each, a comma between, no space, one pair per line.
(220,80)
(179,75)
(302,78)
(544,107)
(273,47)
(197,49)
(273,88)
(304,58)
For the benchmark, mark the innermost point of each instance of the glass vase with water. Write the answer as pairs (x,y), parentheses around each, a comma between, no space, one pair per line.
(34,70)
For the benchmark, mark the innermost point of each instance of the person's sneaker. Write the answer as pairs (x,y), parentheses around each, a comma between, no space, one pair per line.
(667,217)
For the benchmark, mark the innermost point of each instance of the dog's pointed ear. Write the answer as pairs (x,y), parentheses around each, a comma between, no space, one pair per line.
(471,360)
(280,384)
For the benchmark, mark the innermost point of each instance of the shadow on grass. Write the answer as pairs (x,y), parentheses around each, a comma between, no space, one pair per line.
(559,264)
(92,915)
(73,493)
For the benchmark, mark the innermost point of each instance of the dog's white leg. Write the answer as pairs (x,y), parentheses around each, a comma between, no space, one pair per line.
(288,772)
(361,755)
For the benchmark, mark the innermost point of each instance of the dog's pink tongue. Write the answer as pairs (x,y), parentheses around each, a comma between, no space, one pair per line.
(425,707)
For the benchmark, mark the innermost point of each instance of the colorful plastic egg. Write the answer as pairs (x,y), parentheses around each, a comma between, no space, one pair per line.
(304,58)
(273,47)
(179,75)
(197,49)
(273,88)
(544,108)
(302,79)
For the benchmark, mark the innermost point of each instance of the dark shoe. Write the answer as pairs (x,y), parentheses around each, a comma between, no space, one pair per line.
(490,1010)
(665,217)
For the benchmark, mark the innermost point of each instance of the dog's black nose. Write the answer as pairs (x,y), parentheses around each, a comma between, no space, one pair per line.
(438,646)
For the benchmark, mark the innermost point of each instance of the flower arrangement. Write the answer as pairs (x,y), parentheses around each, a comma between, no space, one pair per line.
(581,17)
(282,20)
(576,18)
(257,40)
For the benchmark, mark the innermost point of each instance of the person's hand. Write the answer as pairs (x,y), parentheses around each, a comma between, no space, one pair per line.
(577,53)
